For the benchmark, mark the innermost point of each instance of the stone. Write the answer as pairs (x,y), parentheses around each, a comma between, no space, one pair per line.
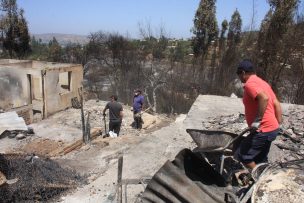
(11,135)
(30,130)
(20,136)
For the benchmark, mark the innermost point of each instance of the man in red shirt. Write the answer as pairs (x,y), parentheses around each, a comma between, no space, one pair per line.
(263,113)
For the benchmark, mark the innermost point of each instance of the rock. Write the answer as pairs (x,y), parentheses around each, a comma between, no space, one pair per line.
(30,130)
(233,95)
(11,135)
(289,131)
(20,136)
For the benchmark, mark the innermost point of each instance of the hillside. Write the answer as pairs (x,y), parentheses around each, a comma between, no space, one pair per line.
(63,39)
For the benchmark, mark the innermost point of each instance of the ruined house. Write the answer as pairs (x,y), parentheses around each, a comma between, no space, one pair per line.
(37,87)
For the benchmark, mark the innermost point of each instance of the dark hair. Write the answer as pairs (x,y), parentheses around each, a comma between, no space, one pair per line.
(246,65)
(138,90)
(114,97)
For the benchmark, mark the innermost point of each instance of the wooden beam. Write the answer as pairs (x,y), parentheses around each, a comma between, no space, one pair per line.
(95,132)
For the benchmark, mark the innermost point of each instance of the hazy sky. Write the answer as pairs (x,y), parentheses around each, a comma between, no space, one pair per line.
(123,16)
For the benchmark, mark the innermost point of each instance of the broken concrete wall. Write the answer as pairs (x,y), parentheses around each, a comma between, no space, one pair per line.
(49,87)
(14,86)
(61,85)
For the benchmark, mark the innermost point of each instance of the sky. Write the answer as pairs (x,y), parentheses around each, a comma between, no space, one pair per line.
(123,16)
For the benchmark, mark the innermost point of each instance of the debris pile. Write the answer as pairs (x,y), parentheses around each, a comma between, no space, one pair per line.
(290,139)
(39,179)
(18,134)
(13,126)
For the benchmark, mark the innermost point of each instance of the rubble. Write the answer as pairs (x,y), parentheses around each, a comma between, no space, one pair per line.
(39,179)
(20,136)
(10,121)
(143,155)
(290,140)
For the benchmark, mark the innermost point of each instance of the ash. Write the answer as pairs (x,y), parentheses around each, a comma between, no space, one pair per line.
(39,179)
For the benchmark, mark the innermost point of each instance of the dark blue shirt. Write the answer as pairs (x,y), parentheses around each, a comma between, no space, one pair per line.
(138,101)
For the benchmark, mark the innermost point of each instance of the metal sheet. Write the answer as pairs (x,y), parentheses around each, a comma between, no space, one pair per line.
(210,139)
(188,178)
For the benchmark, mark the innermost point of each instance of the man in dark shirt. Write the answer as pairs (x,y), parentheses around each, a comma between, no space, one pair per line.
(116,114)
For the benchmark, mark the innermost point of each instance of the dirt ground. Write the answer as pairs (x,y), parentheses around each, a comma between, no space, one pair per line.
(93,160)
(143,151)
(64,128)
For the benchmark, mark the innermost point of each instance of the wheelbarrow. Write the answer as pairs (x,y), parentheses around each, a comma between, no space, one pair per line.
(216,141)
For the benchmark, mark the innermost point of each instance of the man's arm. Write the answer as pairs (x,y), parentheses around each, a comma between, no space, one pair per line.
(278,110)
(262,99)
(104,110)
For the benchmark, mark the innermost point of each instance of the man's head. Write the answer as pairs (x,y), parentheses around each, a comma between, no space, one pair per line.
(245,69)
(137,92)
(113,98)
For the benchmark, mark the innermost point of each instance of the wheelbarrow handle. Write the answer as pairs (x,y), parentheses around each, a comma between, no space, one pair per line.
(237,137)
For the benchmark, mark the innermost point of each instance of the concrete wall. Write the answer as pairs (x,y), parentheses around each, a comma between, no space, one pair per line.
(21,81)
(57,98)
(14,86)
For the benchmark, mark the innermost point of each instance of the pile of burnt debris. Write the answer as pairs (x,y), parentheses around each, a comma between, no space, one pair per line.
(14,126)
(290,138)
(37,179)
(18,134)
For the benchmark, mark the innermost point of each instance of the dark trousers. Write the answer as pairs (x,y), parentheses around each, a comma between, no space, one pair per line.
(114,126)
(137,120)
(255,147)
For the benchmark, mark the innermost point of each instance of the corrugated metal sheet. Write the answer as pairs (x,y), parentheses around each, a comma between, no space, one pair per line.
(189,178)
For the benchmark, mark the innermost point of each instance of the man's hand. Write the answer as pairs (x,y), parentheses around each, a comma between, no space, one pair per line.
(256,123)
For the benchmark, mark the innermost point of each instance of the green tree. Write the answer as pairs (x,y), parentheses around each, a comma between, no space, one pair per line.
(231,56)
(74,53)
(205,28)
(235,29)
(272,53)
(23,42)
(222,38)
(55,51)
(39,49)
(14,29)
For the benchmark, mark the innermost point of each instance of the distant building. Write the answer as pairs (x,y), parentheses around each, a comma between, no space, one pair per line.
(39,87)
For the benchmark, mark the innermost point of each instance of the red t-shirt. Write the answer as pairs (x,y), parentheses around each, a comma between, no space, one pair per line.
(253,86)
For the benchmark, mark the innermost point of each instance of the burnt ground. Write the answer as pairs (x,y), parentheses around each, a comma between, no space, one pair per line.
(144,152)
(62,129)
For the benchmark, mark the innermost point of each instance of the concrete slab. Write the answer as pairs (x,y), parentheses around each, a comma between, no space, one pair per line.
(11,121)
(206,106)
